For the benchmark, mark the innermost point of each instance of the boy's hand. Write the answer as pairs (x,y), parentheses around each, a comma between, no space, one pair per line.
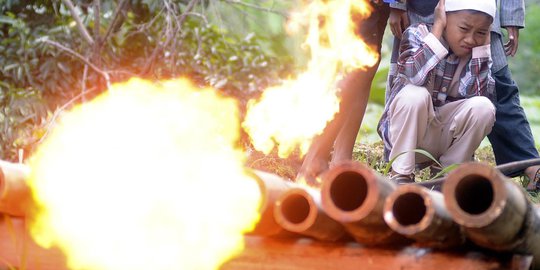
(510,48)
(440,19)
(398,21)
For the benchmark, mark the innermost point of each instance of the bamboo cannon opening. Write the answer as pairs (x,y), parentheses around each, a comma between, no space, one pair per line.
(298,210)
(271,187)
(481,187)
(407,210)
(348,191)
(354,194)
(493,210)
(295,209)
(420,214)
(489,205)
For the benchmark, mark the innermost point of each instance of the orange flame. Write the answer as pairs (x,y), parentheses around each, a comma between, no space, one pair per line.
(290,115)
(145,177)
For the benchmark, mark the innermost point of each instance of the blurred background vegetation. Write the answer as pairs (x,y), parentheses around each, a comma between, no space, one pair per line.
(55,54)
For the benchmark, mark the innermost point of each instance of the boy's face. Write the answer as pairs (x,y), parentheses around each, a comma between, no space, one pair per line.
(465,30)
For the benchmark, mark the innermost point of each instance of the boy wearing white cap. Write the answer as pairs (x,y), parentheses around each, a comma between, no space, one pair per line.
(511,137)
(440,99)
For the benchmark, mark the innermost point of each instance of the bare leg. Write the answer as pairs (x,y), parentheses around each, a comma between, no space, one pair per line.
(356,108)
(343,129)
(318,155)
(341,132)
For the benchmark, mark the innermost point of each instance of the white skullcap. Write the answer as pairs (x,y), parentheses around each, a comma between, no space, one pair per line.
(487,6)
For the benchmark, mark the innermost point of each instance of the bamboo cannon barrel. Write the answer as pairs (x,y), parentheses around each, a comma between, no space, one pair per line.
(299,210)
(19,251)
(420,214)
(15,195)
(494,210)
(271,187)
(354,195)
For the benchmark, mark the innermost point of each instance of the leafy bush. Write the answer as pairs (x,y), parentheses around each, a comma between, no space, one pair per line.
(21,113)
(46,65)
(524,65)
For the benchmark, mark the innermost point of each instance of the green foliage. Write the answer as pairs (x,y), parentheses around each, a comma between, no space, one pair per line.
(267,19)
(26,61)
(531,105)
(237,66)
(371,154)
(21,113)
(35,77)
(378,86)
(425,153)
(46,64)
(524,65)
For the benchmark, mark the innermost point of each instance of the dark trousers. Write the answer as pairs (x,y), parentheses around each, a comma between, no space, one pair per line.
(511,137)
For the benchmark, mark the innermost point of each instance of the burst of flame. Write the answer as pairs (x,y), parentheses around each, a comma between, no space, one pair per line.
(291,114)
(146,176)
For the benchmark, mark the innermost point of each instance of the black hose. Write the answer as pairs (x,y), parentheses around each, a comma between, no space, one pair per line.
(509,169)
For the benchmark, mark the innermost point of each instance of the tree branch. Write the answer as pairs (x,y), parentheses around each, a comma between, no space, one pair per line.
(249,5)
(115,17)
(82,58)
(190,6)
(86,36)
(97,21)
(158,48)
(59,111)
(83,83)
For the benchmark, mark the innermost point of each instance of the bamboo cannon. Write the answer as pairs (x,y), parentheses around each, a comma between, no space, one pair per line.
(420,214)
(299,210)
(494,210)
(19,251)
(354,195)
(271,187)
(15,195)
(357,193)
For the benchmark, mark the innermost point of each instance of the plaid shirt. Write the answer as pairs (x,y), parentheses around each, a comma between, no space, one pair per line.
(509,13)
(425,61)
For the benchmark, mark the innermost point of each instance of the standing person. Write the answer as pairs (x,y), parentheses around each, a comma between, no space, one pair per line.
(340,134)
(511,136)
(439,100)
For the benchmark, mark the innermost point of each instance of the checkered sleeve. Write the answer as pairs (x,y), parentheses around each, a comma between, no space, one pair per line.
(479,82)
(420,52)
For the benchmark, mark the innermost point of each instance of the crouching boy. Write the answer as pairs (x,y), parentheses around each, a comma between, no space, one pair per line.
(440,99)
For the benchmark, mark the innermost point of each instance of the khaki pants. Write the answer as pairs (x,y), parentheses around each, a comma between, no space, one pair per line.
(451,133)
